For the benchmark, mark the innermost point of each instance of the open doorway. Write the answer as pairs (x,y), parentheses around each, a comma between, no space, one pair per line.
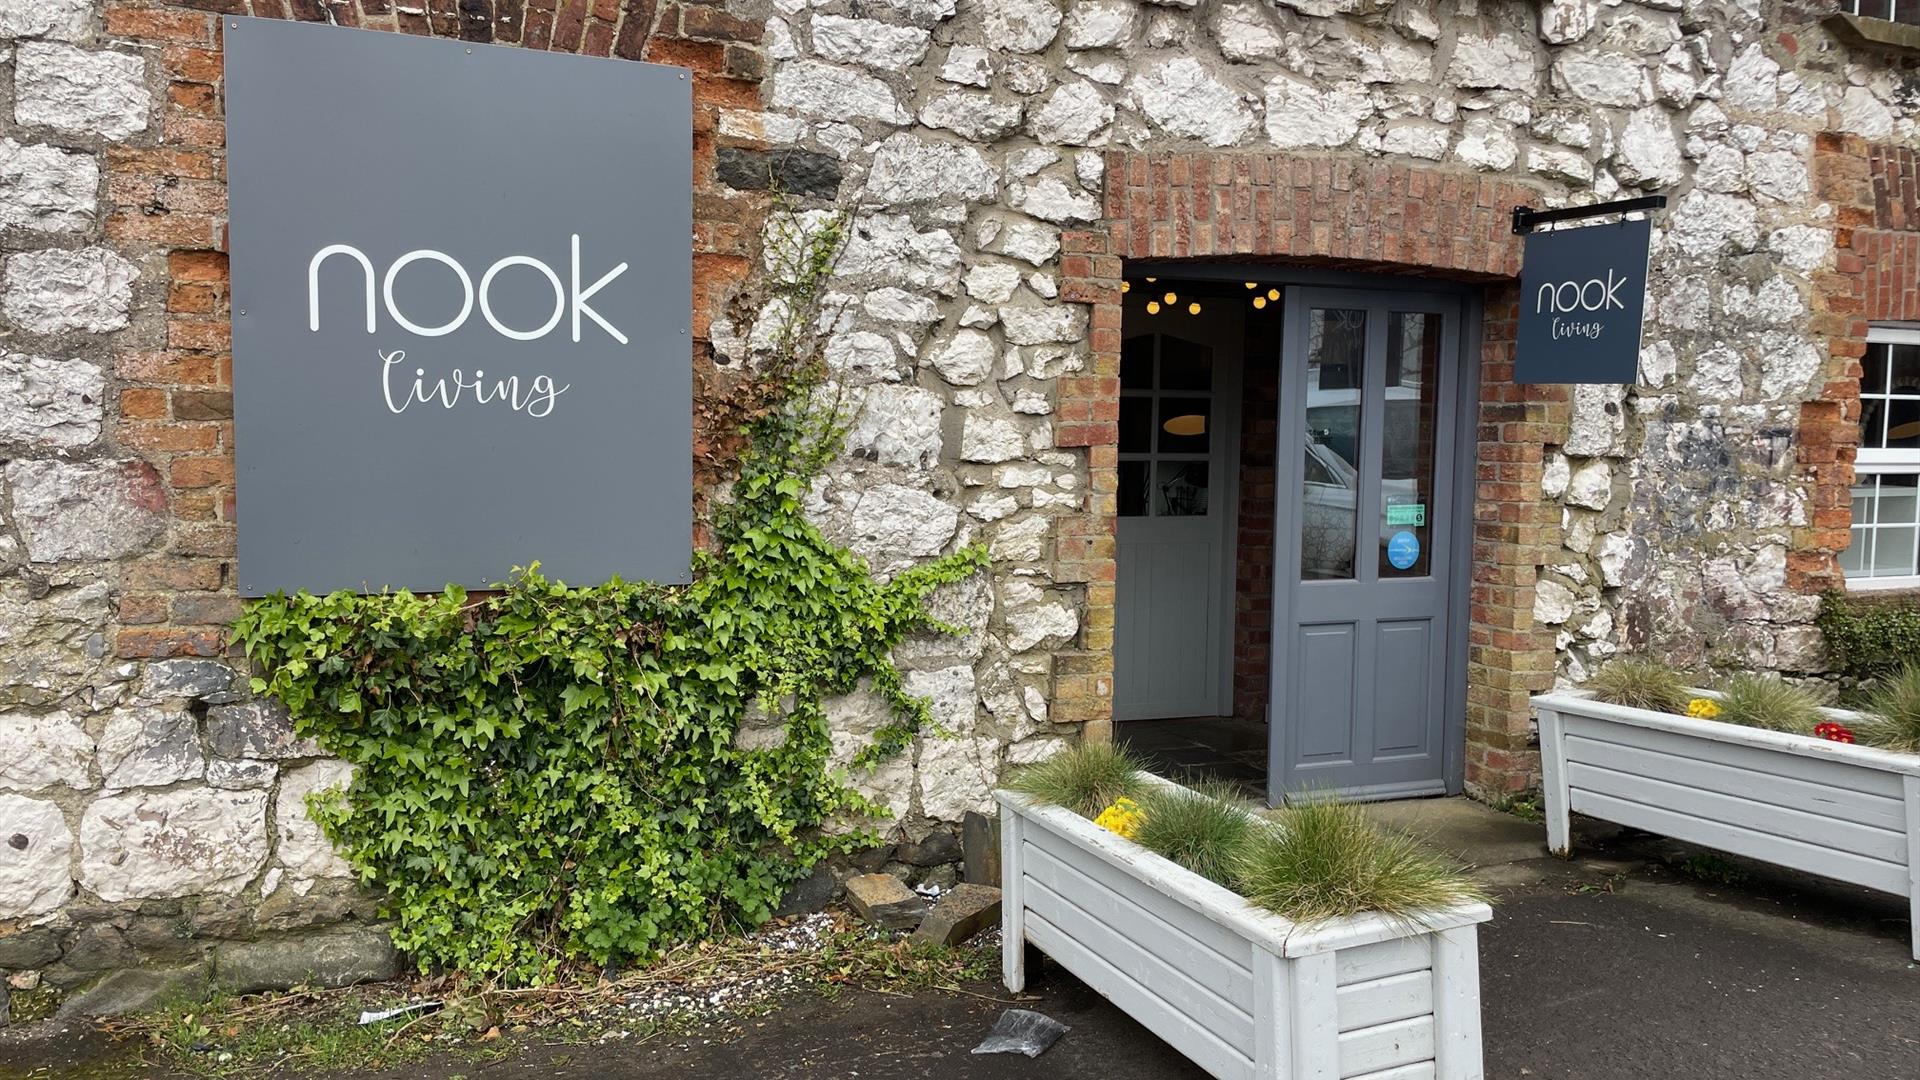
(1293,522)
(1194,533)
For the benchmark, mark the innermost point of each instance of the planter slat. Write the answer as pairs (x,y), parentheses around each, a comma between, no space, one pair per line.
(1240,991)
(1386,1046)
(1178,1030)
(1382,1001)
(1369,962)
(1842,811)
(1097,874)
(1859,807)
(1169,942)
(1425,1070)
(1755,845)
(1754,814)
(1226,1019)
(1762,760)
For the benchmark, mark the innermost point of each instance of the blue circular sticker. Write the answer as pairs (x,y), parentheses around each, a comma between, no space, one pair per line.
(1403,550)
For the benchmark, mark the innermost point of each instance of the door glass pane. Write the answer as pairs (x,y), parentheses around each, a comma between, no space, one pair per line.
(1407,443)
(1136,425)
(1185,365)
(1185,424)
(1336,352)
(1180,489)
(1133,489)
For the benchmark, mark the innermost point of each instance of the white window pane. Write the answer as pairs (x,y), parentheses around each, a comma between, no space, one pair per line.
(1896,501)
(1893,552)
(1863,501)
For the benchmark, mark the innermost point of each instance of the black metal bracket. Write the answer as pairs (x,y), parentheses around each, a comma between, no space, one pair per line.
(1526,218)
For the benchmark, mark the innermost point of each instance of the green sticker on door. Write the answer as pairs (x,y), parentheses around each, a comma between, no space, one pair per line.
(1405,513)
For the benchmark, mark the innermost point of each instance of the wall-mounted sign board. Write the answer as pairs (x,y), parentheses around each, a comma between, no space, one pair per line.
(1583,295)
(462,283)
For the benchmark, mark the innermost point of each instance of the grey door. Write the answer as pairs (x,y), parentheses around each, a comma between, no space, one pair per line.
(1179,413)
(1366,496)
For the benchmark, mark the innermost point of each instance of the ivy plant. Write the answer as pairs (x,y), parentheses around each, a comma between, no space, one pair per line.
(548,773)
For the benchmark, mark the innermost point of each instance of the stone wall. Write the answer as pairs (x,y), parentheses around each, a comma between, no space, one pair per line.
(1008,157)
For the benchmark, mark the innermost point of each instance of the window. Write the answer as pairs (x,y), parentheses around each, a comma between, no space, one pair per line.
(1885,549)
(1902,11)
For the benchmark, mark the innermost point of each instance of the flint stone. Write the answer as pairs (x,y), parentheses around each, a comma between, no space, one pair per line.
(960,913)
(808,895)
(885,901)
(797,172)
(98,948)
(909,169)
(80,92)
(47,642)
(60,20)
(172,843)
(46,189)
(185,679)
(86,510)
(980,839)
(35,851)
(256,729)
(1021,26)
(137,990)
(41,751)
(898,425)
(304,849)
(939,848)
(868,41)
(1184,98)
(149,747)
(331,958)
(27,949)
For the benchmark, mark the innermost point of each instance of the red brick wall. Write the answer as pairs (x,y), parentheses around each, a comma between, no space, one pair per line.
(1253,558)
(167,212)
(1328,212)
(1875,193)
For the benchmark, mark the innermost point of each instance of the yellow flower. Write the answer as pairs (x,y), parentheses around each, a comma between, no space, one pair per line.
(1122,817)
(1703,708)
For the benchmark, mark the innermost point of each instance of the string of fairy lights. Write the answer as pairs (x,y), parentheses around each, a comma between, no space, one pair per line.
(1169,301)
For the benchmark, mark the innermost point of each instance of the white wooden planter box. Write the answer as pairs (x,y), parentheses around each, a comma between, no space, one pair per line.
(1241,991)
(1838,810)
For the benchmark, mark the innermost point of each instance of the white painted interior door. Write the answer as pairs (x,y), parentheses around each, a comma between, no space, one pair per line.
(1179,454)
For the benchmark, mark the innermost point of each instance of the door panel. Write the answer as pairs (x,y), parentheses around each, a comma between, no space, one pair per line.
(1179,391)
(1361,657)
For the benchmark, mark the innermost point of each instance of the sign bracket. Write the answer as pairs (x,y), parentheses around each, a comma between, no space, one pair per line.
(1526,218)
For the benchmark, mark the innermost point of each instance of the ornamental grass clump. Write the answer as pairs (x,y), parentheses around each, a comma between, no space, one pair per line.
(1892,720)
(1641,683)
(1202,830)
(1085,779)
(1767,702)
(1326,860)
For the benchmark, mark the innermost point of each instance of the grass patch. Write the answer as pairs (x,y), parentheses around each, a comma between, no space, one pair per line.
(1767,702)
(1642,683)
(1714,870)
(1085,778)
(1201,829)
(1892,720)
(1326,860)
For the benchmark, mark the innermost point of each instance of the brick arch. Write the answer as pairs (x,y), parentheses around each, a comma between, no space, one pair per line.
(1340,213)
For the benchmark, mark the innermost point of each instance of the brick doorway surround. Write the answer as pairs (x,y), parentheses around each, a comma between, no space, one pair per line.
(1345,214)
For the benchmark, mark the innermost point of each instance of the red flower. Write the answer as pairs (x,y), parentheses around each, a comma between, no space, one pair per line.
(1832,732)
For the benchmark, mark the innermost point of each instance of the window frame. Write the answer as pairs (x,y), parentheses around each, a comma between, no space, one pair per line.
(1880,462)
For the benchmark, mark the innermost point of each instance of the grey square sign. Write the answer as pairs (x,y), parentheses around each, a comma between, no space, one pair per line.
(462,280)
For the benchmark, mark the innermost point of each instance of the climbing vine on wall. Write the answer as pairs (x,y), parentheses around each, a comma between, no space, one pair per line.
(549,773)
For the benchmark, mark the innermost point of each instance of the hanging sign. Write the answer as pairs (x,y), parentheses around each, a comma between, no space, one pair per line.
(1583,294)
(462,284)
